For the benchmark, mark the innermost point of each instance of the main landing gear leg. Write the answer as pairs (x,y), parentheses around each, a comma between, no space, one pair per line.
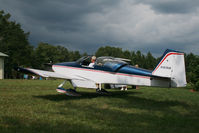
(60,88)
(69,92)
(99,89)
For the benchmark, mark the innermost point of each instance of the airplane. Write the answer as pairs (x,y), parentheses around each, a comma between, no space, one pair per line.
(169,72)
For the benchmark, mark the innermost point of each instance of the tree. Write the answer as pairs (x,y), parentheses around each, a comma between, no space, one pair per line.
(150,61)
(139,59)
(74,55)
(192,70)
(63,54)
(46,53)
(109,51)
(14,42)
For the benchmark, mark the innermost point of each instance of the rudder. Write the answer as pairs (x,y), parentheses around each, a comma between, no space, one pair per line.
(172,65)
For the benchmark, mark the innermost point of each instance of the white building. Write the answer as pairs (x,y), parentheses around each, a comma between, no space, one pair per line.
(2,56)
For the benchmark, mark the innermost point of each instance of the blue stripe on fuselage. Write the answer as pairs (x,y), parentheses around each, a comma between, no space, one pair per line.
(136,71)
(127,69)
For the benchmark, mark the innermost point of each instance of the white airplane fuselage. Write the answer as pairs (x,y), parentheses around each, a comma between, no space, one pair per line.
(90,76)
(170,72)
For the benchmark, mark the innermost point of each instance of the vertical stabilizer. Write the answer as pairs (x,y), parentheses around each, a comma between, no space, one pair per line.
(172,65)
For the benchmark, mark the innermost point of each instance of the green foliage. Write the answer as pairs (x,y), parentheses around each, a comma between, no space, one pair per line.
(150,61)
(74,55)
(63,54)
(109,51)
(196,86)
(46,53)
(192,70)
(13,42)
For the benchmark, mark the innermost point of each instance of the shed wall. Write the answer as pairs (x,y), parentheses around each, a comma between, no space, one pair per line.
(1,68)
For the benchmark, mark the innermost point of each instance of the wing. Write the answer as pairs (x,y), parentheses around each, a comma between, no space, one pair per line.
(42,73)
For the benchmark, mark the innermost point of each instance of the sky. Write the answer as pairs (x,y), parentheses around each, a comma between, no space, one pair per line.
(86,25)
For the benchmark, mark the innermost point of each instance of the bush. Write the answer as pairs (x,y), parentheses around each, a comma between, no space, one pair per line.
(196,86)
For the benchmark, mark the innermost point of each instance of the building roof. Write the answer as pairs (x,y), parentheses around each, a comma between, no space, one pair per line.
(2,54)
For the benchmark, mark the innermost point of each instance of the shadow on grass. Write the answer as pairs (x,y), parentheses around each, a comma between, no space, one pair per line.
(85,95)
(131,98)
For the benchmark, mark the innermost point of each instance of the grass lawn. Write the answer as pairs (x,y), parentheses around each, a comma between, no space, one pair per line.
(34,106)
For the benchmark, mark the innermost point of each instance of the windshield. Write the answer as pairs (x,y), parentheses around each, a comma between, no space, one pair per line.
(85,60)
(101,61)
(104,59)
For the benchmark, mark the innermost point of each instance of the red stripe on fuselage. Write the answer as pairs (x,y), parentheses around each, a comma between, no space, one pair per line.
(168,54)
(84,69)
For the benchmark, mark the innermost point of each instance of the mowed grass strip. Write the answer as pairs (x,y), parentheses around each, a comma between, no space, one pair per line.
(35,106)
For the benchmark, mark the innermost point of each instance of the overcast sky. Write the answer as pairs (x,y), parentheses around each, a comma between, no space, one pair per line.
(86,25)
